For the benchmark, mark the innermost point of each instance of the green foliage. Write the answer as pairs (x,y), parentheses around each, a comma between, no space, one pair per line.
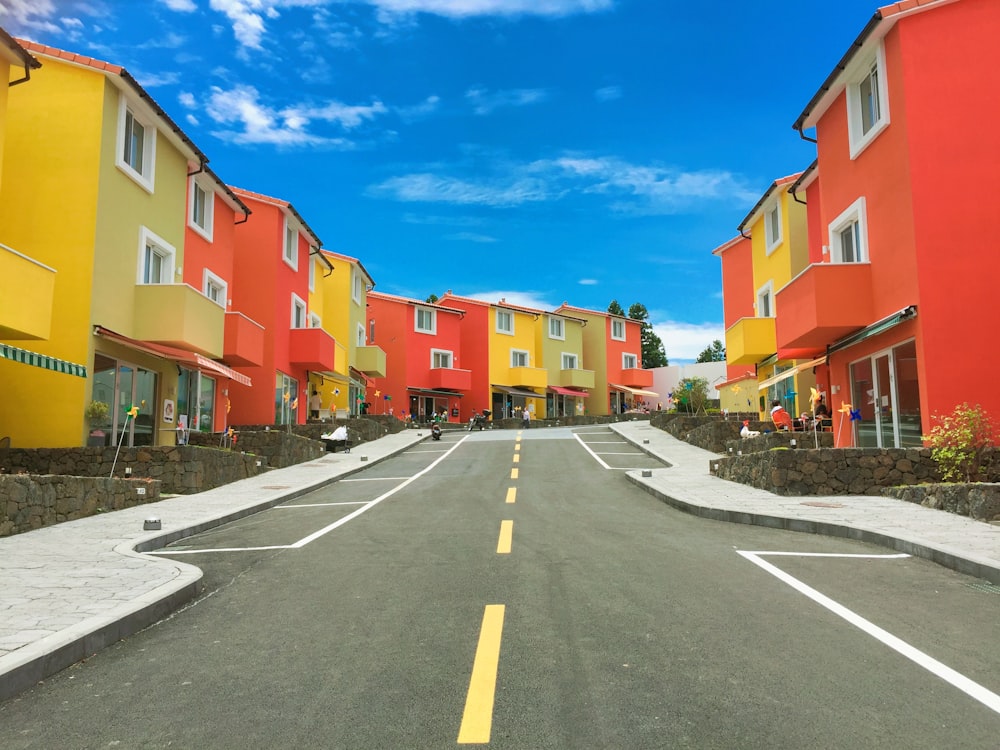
(615,309)
(653,354)
(693,399)
(432,299)
(97,411)
(962,444)
(714,353)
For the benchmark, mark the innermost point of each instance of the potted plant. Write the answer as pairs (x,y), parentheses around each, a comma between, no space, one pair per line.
(97,413)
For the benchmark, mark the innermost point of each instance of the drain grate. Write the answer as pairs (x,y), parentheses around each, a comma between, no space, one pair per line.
(985,587)
(820,504)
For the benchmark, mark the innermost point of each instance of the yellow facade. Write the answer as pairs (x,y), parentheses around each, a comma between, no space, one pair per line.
(523,338)
(78,213)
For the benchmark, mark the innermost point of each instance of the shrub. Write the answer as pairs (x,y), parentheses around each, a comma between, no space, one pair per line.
(962,444)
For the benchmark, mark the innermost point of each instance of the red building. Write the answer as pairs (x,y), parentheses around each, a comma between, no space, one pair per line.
(902,221)
(423,353)
(275,249)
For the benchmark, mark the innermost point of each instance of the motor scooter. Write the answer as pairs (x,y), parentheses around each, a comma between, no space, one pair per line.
(435,431)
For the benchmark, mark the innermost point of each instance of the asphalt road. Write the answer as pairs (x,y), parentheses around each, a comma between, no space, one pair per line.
(435,600)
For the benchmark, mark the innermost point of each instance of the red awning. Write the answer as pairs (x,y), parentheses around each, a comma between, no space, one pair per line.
(568,391)
(194,359)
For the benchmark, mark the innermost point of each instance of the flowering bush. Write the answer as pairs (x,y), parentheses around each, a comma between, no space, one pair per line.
(962,444)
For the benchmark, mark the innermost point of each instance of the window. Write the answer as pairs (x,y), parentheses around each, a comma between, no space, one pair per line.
(312,275)
(298,318)
(618,330)
(569,361)
(136,145)
(356,285)
(359,335)
(425,320)
(156,259)
(765,300)
(867,102)
(772,227)
(518,358)
(371,330)
(290,252)
(557,328)
(215,288)
(315,321)
(505,322)
(630,361)
(441,358)
(849,235)
(201,209)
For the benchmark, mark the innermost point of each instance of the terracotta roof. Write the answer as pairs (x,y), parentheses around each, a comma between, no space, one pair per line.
(413,301)
(567,306)
(780,182)
(729,244)
(19,51)
(120,72)
(349,259)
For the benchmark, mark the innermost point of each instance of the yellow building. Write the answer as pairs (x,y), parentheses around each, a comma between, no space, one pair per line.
(518,377)
(342,294)
(559,340)
(102,174)
(779,250)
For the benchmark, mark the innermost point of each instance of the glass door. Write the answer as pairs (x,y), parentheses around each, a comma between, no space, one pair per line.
(885,390)
(885,413)
(122,385)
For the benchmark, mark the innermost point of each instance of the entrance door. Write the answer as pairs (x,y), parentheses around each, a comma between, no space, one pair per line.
(122,385)
(885,391)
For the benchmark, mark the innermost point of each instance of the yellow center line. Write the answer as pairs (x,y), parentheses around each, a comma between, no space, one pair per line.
(506,537)
(517,446)
(513,473)
(517,458)
(477,719)
(511,494)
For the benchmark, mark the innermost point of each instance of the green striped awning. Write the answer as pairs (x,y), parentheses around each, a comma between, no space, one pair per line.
(41,360)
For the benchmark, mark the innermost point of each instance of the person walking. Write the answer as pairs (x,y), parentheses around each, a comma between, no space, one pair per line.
(526,417)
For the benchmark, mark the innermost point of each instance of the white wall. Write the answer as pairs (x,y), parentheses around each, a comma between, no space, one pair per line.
(665,379)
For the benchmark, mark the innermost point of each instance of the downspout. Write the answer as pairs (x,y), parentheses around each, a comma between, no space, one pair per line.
(27,77)
(795,196)
(244,220)
(199,170)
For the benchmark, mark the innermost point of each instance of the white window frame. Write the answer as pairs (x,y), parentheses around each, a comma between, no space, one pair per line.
(209,280)
(616,323)
(312,274)
(857,213)
(290,254)
(630,361)
(161,247)
(298,304)
(356,285)
(570,361)
(506,315)
(517,353)
(772,235)
(359,335)
(315,321)
(443,354)
(766,292)
(207,231)
(859,74)
(416,320)
(560,324)
(147,177)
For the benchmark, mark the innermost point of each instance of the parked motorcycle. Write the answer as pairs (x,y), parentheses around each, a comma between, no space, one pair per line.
(435,431)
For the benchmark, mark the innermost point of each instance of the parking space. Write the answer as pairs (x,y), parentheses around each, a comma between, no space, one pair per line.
(613,452)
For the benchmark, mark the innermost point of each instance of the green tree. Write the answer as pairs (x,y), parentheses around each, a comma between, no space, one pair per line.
(962,444)
(653,354)
(714,353)
(691,394)
(432,299)
(615,309)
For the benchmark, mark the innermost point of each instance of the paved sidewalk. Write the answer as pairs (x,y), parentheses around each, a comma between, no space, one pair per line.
(70,590)
(957,542)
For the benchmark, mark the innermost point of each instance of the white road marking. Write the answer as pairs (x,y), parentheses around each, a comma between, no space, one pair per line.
(973,689)
(373,479)
(587,448)
(317,505)
(326,529)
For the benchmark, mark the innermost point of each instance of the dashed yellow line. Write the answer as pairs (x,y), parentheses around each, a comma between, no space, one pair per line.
(513,473)
(517,446)
(511,494)
(517,458)
(477,719)
(506,537)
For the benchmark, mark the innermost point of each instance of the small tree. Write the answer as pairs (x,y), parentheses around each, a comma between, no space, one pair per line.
(714,353)
(962,444)
(653,354)
(615,309)
(691,395)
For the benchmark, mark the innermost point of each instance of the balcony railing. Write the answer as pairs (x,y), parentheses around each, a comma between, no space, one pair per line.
(636,377)
(822,304)
(370,360)
(244,340)
(576,378)
(312,348)
(529,377)
(750,340)
(179,315)
(26,296)
(450,379)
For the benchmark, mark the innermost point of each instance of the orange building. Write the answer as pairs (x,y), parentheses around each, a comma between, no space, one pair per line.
(902,222)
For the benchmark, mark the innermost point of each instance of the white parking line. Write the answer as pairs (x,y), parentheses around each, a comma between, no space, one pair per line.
(317,505)
(587,448)
(973,689)
(374,479)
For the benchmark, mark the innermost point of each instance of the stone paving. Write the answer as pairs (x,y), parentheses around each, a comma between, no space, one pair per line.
(72,589)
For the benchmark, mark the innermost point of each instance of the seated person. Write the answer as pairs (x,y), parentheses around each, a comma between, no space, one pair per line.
(821,410)
(781,418)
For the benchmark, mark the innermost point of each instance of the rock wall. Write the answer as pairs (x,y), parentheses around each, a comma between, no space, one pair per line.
(979,500)
(275,448)
(30,502)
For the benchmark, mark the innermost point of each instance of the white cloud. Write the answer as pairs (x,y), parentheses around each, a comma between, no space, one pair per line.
(471,237)
(484,102)
(191,119)
(181,6)
(71,23)
(520,298)
(588,282)
(247,23)
(152,80)
(426,107)
(390,9)
(685,341)
(187,100)
(608,93)
(19,16)
(430,188)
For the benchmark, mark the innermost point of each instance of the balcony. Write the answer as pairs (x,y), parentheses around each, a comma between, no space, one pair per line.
(529,377)
(576,378)
(243,343)
(370,360)
(179,315)
(750,340)
(312,348)
(449,379)
(26,296)
(636,377)
(824,303)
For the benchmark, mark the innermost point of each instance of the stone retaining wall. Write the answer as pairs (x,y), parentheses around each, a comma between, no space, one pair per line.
(29,502)
(274,448)
(182,469)
(772,440)
(829,471)
(979,500)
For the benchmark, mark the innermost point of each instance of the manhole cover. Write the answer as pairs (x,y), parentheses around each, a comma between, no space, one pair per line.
(276,487)
(820,504)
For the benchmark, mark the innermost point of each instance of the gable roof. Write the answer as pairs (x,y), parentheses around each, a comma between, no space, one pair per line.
(16,54)
(779,183)
(278,203)
(415,302)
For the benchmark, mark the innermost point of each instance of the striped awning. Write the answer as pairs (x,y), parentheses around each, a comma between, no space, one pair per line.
(41,360)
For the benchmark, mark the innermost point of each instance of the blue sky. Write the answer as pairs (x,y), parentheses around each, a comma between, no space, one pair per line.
(538,150)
